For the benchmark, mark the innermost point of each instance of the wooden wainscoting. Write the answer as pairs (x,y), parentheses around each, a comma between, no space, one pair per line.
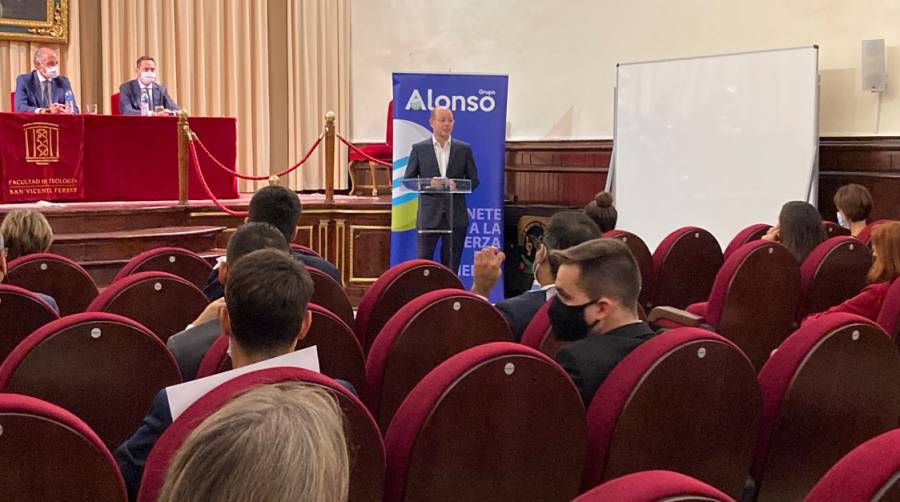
(872,161)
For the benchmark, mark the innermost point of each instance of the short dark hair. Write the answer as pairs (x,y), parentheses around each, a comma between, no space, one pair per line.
(607,269)
(566,229)
(142,59)
(278,206)
(602,211)
(253,236)
(800,228)
(266,295)
(855,201)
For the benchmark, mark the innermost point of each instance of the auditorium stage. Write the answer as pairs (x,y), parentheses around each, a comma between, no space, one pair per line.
(351,232)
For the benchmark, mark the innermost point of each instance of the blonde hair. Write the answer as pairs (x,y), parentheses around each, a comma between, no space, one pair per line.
(275,442)
(886,243)
(26,232)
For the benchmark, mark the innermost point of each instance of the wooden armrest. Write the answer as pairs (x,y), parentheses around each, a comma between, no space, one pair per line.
(673,314)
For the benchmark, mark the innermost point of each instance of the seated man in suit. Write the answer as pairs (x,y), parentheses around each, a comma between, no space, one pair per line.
(564,230)
(261,321)
(144,84)
(597,285)
(43,90)
(190,345)
(279,207)
(442,157)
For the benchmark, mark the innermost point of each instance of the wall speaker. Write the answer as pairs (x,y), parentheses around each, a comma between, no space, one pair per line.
(873,76)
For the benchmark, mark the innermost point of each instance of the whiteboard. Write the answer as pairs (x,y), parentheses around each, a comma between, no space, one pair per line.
(718,142)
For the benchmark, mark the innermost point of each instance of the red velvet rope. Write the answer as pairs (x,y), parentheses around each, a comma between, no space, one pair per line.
(257,178)
(192,151)
(364,154)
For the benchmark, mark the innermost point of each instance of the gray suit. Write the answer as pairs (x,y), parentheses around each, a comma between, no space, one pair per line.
(191,345)
(130,98)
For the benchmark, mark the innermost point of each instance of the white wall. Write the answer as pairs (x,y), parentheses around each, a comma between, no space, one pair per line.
(561,56)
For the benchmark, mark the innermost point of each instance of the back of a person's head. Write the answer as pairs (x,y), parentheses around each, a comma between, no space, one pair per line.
(602,211)
(607,269)
(266,296)
(26,232)
(253,236)
(566,229)
(886,245)
(275,442)
(800,228)
(854,201)
(277,206)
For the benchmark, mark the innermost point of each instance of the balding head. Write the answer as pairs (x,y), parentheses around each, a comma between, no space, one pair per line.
(441,122)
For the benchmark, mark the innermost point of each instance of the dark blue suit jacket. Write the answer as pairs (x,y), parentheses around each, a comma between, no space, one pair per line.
(29,96)
(130,98)
(423,164)
(215,290)
(519,310)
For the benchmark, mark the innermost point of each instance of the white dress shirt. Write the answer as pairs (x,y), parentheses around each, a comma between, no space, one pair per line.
(442,154)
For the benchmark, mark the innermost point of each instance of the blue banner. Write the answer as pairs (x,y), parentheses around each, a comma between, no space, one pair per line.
(478,103)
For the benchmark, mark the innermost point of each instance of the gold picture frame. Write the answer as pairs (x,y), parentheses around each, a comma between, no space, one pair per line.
(35,20)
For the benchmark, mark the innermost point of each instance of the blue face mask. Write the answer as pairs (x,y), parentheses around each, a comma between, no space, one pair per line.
(841,221)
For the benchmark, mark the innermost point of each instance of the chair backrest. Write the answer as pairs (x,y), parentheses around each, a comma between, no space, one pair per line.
(367,463)
(340,356)
(866,235)
(395,288)
(104,368)
(641,253)
(114,104)
(889,317)
(653,486)
(686,400)
(871,471)
(421,335)
(47,453)
(329,294)
(752,233)
(21,313)
(12,101)
(754,298)
(471,430)
(832,229)
(163,302)
(304,249)
(833,272)
(539,334)
(178,261)
(684,267)
(824,393)
(63,279)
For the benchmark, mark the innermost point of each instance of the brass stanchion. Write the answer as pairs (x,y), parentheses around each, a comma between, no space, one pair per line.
(184,132)
(329,157)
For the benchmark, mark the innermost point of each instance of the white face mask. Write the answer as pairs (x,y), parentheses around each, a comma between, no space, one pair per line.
(841,221)
(148,77)
(51,71)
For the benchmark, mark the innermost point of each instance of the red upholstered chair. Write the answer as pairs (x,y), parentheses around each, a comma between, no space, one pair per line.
(421,335)
(832,229)
(381,151)
(114,105)
(752,233)
(869,472)
(866,235)
(753,301)
(654,486)
(395,288)
(498,422)
(178,261)
(163,302)
(889,317)
(12,101)
(684,266)
(340,355)
(21,312)
(304,249)
(824,392)
(329,294)
(641,253)
(686,401)
(366,447)
(47,453)
(102,367)
(63,279)
(833,272)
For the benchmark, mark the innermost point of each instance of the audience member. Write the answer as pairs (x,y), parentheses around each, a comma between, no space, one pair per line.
(190,345)
(854,203)
(564,230)
(884,271)
(602,211)
(266,298)
(279,207)
(799,229)
(275,442)
(26,232)
(597,286)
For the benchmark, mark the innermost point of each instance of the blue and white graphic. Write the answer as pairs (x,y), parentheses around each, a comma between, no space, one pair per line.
(478,103)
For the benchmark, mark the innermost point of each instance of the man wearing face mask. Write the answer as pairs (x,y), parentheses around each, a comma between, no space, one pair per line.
(145,89)
(43,90)
(597,285)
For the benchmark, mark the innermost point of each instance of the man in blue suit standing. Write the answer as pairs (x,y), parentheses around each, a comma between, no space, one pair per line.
(44,90)
(442,157)
(144,84)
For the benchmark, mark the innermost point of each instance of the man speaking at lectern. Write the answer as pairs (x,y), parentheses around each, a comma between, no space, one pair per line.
(442,157)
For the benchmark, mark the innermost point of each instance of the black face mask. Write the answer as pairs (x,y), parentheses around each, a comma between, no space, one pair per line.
(568,320)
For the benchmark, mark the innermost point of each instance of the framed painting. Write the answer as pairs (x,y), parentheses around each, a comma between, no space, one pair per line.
(34,20)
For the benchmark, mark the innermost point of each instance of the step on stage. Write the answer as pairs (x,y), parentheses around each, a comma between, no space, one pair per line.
(353,233)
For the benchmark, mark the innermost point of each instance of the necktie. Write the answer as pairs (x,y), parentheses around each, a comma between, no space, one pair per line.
(149,91)
(47,95)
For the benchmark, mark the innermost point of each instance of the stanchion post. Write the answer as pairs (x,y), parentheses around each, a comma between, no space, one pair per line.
(184,131)
(329,157)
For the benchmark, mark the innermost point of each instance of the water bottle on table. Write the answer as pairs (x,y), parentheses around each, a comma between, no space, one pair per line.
(145,105)
(70,102)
